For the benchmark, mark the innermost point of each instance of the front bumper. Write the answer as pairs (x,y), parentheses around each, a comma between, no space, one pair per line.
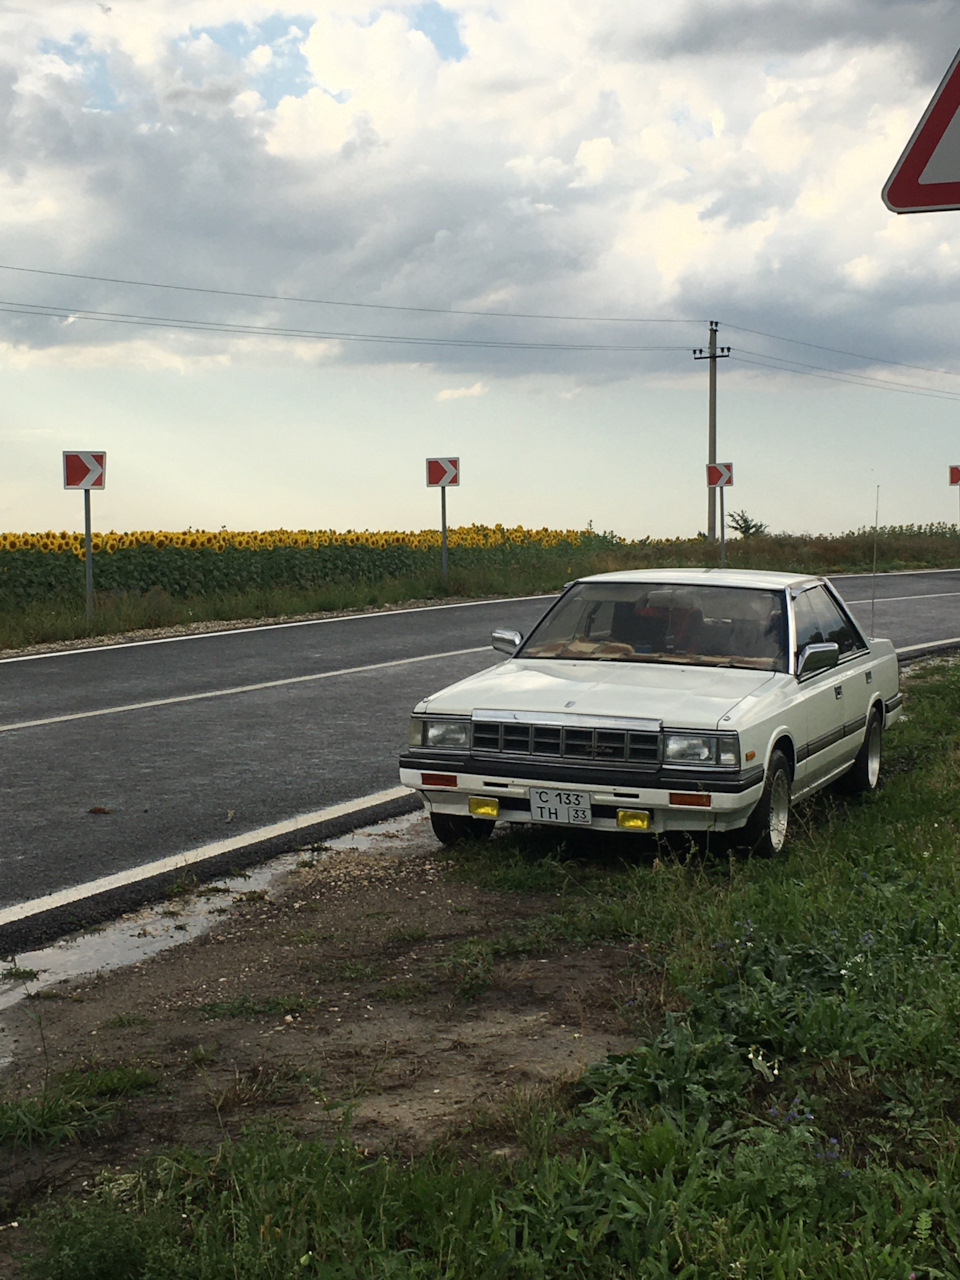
(676,800)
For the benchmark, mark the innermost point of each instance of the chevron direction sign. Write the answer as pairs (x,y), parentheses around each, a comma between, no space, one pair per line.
(719,474)
(84,470)
(442,472)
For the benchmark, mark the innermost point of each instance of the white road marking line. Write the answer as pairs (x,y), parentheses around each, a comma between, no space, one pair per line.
(272,626)
(224,693)
(933,595)
(891,573)
(929,644)
(191,857)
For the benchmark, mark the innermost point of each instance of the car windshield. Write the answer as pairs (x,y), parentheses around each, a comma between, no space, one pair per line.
(708,625)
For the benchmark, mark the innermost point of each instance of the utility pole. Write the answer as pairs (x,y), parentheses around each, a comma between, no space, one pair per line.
(713,353)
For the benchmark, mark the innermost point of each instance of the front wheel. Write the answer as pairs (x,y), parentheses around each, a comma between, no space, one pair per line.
(450,828)
(766,831)
(864,774)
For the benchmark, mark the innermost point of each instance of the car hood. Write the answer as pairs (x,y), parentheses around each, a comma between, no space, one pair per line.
(680,696)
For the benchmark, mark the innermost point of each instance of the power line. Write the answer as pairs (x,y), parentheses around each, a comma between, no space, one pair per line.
(854,355)
(335,302)
(461,311)
(856,380)
(762,359)
(864,378)
(10,307)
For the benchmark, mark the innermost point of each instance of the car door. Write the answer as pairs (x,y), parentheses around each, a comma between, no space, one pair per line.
(853,672)
(831,699)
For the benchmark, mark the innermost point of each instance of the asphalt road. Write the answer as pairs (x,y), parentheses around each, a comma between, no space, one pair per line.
(192,741)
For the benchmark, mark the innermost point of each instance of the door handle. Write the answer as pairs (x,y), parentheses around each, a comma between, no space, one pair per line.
(838,690)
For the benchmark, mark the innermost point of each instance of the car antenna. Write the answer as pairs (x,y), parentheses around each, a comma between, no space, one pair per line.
(873,600)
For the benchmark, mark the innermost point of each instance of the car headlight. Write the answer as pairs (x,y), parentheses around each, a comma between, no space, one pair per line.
(450,734)
(716,750)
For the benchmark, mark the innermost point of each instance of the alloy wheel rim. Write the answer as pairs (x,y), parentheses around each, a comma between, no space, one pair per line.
(873,755)
(779,811)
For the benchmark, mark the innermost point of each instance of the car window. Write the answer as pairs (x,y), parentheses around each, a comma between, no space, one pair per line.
(809,630)
(819,619)
(665,622)
(837,625)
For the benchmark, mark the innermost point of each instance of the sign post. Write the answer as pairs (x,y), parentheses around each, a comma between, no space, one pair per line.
(719,475)
(440,473)
(955,479)
(86,471)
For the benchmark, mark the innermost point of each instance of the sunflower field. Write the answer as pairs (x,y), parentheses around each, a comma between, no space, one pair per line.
(198,563)
(158,579)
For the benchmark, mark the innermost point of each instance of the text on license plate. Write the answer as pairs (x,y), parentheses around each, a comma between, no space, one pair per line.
(569,807)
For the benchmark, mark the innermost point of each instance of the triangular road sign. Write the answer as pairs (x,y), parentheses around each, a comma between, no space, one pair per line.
(927,175)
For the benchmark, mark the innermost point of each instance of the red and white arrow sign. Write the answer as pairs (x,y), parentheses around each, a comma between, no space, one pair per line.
(442,472)
(719,474)
(955,475)
(84,470)
(927,176)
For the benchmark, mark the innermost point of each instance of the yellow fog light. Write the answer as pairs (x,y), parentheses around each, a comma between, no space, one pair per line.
(484,806)
(633,819)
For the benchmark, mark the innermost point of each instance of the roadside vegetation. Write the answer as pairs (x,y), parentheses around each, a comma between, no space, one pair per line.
(159,579)
(790,1108)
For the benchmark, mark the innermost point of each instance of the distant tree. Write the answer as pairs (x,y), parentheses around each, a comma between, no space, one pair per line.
(741,523)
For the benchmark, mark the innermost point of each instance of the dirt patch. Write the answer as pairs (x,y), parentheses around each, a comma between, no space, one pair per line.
(363,978)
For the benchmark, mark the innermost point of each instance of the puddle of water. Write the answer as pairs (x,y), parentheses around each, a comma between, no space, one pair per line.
(141,934)
(364,838)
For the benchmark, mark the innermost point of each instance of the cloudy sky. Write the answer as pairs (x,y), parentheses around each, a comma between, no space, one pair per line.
(271,259)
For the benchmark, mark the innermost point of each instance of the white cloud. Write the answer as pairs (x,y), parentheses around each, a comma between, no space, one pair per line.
(458,393)
(607,161)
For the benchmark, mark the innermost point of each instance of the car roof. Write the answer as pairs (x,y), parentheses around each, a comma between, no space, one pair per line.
(770,579)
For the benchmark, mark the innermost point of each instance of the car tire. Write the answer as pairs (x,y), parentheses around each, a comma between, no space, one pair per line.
(863,776)
(451,828)
(765,833)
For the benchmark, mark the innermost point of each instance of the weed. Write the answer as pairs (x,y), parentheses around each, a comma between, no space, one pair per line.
(301,938)
(182,887)
(409,935)
(17,973)
(259,1085)
(120,1020)
(245,1006)
(404,991)
(361,970)
(83,1099)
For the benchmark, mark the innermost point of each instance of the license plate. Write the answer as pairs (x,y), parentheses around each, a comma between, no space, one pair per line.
(571,808)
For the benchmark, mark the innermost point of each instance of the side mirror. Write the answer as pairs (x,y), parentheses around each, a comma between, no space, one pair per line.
(508,642)
(817,657)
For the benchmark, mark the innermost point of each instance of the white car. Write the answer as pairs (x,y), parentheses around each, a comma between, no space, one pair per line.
(661,700)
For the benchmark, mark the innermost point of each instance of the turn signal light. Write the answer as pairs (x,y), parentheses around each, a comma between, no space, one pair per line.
(438,779)
(633,819)
(695,799)
(484,806)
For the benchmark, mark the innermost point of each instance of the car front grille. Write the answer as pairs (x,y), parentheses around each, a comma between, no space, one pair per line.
(566,742)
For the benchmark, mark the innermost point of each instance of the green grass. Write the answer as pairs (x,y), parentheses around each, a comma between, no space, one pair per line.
(121,1020)
(405,991)
(80,1101)
(794,1112)
(245,1006)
